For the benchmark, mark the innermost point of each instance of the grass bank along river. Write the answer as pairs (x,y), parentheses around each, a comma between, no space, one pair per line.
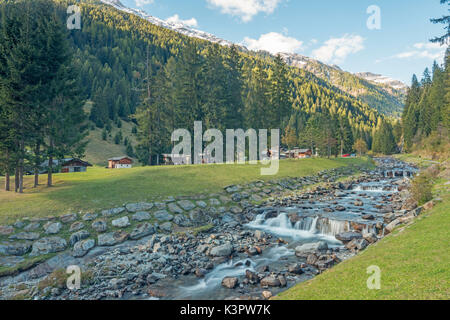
(249,251)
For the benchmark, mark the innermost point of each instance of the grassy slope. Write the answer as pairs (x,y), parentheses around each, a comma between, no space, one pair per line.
(99,151)
(413,260)
(101,188)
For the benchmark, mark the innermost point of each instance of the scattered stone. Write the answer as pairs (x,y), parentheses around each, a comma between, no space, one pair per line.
(391,226)
(71,217)
(174,208)
(100,225)
(142,230)
(6,230)
(141,206)
(166,226)
(52,227)
(32,226)
(214,202)
(311,247)
(368,217)
(370,237)
(81,248)
(270,281)
(230,282)
(251,276)
(163,215)
(357,244)
(201,204)
(141,216)
(181,220)
(222,251)
(15,249)
(76,226)
(48,245)
(112,238)
(236,210)
(113,212)
(90,216)
(25,236)
(78,236)
(19,224)
(295,268)
(348,236)
(340,208)
(186,205)
(121,222)
(266,294)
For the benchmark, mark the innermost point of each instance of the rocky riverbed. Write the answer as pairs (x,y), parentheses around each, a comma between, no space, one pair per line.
(245,248)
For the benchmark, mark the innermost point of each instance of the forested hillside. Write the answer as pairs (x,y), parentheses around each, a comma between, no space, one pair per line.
(426,119)
(160,80)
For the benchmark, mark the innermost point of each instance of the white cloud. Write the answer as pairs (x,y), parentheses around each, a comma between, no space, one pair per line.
(176,20)
(245,9)
(274,43)
(336,50)
(141,3)
(421,50)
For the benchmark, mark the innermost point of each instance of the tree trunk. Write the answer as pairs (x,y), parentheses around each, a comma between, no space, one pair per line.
(36,165)
(21,177)
(50,171)
(16,178)
(7,178)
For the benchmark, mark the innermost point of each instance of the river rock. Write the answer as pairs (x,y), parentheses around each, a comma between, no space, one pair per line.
(270,281)
(76,226)
(113,212)
(78,236)
(389,217)
(348,236)
(141,206)
(166,226)
(222,251)
(295,268)
(163,215)
(236,210)
(370,237)
(340,208)
(311,247)
(357,244)
(90,216)
(121,222)
(181,220)
(6,230)
(368,217)
(230,282)
(100,225)
(251,276)
(15,249)
(48,245)
(391,226)
(282,280)
(112,238)
(174,208)
(52,227)
(70,217)
(142,230)
(186,204)
(266,294)
(25,236)
(358,203)
(81,248)
(32,226)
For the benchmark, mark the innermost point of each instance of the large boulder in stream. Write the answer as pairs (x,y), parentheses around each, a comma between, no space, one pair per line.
(307,248)
(222,251)
(348,236)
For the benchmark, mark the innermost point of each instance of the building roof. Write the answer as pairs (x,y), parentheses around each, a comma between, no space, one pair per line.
(64,161)
(304,150)
(119,158)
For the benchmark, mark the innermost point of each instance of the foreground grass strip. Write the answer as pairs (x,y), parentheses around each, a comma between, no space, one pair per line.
(414,263)
(101,188)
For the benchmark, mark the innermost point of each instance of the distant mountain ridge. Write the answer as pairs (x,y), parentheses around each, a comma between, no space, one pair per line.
(381,93)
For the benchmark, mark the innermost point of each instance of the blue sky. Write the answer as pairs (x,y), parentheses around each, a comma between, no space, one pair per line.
(333,31)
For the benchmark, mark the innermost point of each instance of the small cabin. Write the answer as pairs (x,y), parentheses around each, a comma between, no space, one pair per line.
(299,153)
(66,165)
(120,163)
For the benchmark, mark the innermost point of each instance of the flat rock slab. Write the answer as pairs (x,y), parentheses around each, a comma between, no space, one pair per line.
(6,230)
(48,245)
(10,262)
(81,248)
(142,230)
(121,222)
(174,208)
(113,212)
(163,215)
(15,249)
(141,216)
(25,236)
(186,204)
(141,206)
(67,218)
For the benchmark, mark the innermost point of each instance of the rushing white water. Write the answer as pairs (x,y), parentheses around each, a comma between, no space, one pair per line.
(236,268)
(308,228)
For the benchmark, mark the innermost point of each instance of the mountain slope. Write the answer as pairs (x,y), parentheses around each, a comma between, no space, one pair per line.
(384,94)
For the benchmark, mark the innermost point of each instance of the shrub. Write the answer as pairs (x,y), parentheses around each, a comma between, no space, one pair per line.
(421,188)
